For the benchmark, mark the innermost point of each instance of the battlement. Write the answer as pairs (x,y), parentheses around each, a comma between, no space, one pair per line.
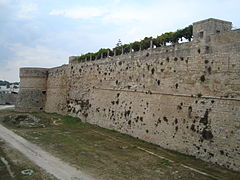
(33,72)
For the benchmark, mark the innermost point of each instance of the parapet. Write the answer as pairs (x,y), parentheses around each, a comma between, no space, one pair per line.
(33,72)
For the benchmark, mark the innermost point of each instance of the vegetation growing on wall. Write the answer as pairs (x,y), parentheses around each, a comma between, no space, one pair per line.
(162,40)
(6,83)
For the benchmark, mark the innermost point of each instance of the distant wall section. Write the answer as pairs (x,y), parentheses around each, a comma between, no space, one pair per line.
(8,98)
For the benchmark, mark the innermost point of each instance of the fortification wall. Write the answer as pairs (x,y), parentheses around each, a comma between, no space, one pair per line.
(184,97)
(58,87)
(8,98)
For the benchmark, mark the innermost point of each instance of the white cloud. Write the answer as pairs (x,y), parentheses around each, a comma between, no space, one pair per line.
(79,12)
(27,10)
(124,15)
(3,2)
(38,56)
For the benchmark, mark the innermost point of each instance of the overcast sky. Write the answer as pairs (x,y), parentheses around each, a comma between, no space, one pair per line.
(44,33)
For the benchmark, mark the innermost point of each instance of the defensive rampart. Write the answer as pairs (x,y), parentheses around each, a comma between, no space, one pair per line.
(7,98)
(184,97)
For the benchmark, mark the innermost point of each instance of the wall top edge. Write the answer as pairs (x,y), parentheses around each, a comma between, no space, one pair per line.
(211,19)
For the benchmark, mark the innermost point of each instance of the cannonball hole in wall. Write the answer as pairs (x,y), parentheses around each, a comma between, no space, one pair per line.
(44,92)
(199,51)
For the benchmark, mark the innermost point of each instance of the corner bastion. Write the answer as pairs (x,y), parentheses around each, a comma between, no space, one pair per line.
(184,97)
(33,88)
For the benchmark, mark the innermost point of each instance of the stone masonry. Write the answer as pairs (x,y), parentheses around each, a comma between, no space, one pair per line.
(183,97)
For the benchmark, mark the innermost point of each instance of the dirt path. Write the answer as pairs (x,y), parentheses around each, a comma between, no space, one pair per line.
(49,163)
(6,106)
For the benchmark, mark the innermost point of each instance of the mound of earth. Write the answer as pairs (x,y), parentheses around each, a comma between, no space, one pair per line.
(23,120)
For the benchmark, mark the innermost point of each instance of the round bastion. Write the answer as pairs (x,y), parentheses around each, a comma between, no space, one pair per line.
(33,87)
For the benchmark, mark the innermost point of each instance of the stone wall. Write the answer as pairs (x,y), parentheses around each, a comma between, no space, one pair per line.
(184,97)
(33,87)
(8,98)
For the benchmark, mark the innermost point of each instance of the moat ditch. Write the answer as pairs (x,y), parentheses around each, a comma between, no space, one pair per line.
(107,154)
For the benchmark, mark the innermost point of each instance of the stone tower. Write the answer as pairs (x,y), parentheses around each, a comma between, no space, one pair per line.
(203,29)
(33,86)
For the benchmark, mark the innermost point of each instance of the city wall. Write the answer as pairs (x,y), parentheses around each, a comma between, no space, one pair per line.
(7,98)
(184,97)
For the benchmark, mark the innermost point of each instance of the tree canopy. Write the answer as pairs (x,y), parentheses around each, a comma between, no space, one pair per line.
(162,40)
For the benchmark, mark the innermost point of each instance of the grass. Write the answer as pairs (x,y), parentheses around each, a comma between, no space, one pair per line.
(108,154)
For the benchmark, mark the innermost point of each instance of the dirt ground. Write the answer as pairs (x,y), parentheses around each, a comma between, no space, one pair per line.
(14,163)
(106,154)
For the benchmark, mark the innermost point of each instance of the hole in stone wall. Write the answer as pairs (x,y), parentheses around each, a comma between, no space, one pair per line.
(176,85)
(153,70)
(165,119)
(207,49)
(209,69)
(202,78)
(190,111)
(199,51)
